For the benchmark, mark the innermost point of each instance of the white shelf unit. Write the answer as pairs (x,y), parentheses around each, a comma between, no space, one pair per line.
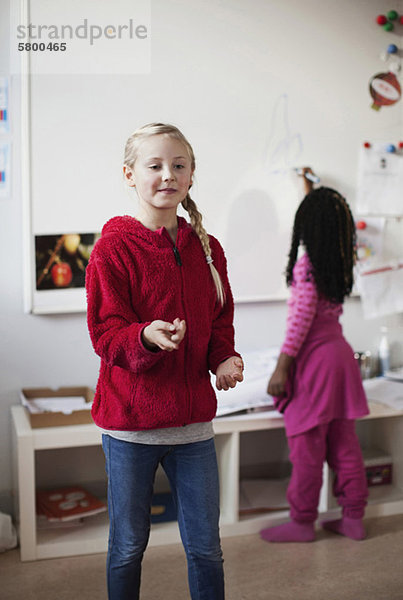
(383,428)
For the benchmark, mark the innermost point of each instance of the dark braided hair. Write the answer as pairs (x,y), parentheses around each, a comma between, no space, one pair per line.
(325,225)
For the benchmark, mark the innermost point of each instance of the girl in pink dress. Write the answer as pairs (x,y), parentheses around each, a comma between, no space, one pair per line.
(316,382)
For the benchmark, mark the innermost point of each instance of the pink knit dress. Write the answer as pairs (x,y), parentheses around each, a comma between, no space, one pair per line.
(326,382)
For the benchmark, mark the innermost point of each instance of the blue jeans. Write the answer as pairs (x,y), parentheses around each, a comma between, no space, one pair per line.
(193,476)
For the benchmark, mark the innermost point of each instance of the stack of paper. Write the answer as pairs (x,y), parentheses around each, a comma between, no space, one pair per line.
(252,392)
(63,404)
(395,374)
(384,391)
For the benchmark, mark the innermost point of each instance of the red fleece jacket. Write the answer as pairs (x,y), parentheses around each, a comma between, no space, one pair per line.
(133,277)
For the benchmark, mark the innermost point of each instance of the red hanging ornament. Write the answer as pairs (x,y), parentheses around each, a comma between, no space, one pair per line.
(384,89)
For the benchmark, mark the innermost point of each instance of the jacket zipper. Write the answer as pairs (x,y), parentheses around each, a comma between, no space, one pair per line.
(177,256)
(179,263)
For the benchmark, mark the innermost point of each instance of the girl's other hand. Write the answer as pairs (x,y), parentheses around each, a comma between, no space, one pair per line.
(229,372)
(164,335)
(276,386)
(279,377)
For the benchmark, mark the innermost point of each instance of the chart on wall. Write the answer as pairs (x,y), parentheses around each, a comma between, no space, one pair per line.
(379,229)
(380,179)
(243,100)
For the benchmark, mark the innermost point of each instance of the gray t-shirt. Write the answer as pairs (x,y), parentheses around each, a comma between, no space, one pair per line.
(187,434)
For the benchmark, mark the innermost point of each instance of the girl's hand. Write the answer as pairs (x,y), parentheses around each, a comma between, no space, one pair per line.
(229,373)
(279,377)
(308,184)
(277,382)
(163,335)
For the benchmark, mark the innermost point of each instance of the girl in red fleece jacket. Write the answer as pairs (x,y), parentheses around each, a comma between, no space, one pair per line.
(160,316)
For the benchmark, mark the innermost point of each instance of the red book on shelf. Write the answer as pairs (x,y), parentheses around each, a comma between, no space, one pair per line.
(67,503)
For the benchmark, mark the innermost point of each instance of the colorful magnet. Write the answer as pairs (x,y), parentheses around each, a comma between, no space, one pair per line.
(361,225)
(367,145)
(390,148)
(395,67)
(381,19)
(388,26)
(392,15)
(384,89)
(392,49)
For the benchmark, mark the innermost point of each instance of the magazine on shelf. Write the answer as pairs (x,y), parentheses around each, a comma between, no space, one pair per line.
(67,503)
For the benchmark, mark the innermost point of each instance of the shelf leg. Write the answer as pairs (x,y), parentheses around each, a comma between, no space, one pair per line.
(26,497)
(227,446)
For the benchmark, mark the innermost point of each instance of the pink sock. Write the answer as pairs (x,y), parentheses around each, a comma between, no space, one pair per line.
(352,528)
(289,532)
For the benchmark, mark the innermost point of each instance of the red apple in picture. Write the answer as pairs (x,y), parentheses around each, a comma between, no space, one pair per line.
(61,274)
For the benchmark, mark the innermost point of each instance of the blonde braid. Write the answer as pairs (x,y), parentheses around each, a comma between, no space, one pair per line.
(196,221)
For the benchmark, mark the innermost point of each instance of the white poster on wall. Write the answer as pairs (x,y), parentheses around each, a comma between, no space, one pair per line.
(4,169)
(380,180)
(381,289)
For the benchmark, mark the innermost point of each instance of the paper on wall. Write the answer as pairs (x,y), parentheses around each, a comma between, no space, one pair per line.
(380,181)
(4,169)
(381,289)
(370,239)
(4,120)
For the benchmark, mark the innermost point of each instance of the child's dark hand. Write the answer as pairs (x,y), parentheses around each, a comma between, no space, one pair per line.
(276,386)
(308,184)
(279,377)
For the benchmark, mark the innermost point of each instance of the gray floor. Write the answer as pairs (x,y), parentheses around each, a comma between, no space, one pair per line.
(331,568)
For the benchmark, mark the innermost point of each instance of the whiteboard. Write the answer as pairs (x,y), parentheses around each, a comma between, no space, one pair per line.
(258,88)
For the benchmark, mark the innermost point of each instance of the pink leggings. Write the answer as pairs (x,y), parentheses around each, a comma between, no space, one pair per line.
(337,443)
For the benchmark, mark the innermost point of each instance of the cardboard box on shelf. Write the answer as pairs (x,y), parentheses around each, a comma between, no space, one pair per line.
(42,406)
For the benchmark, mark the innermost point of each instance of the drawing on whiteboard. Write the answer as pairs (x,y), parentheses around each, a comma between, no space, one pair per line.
(261,213)
(283,147)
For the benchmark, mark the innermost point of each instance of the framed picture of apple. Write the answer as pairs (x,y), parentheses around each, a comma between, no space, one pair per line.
(60,263)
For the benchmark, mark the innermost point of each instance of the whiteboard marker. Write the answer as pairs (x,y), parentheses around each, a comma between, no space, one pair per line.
(309,176)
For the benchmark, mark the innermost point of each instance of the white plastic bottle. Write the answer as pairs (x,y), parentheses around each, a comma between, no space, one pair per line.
(384,352)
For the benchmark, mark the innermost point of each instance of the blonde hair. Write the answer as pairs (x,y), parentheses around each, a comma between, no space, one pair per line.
(131,149)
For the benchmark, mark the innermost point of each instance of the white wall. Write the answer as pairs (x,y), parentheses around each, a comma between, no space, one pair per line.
(257,91)
(55,350)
